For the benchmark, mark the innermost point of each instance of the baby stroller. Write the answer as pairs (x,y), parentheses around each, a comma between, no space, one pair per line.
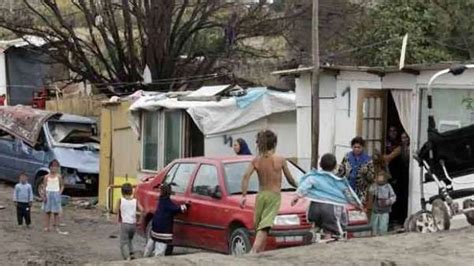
(444,157)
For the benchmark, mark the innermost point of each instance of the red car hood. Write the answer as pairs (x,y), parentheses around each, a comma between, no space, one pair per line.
(285,207)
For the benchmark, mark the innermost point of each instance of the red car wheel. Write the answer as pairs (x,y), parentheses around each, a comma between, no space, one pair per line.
(239,243)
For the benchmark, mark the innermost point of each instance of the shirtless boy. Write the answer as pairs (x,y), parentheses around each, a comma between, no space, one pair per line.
(269,168)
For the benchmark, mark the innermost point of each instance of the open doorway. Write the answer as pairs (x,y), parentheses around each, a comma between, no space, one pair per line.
(194,139)
(397,147)
(380,125)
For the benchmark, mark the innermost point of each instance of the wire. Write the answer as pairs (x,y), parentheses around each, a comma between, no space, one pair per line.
(123,84)
(361,47)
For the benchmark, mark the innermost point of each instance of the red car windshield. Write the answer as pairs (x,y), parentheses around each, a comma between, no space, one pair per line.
(235,171)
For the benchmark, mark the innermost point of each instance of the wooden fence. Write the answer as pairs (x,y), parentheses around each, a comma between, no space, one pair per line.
(84,106)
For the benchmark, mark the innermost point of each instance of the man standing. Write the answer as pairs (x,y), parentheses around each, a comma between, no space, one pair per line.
(269,167)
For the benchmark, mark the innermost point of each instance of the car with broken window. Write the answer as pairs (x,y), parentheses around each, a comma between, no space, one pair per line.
(31,138)
(215,221)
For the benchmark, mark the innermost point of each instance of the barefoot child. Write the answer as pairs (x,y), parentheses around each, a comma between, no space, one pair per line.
(127,217)
(162,224)
(383,197)
(23,198)
(51,191)
(269,167)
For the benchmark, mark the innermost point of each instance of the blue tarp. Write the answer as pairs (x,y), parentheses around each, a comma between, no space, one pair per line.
(253,94)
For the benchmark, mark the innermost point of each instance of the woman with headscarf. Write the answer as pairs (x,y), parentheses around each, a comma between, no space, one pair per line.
(241,147)
(357,166)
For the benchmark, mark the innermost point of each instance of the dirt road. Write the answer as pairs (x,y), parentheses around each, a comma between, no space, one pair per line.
(89,242)
(447,248)
(89,238)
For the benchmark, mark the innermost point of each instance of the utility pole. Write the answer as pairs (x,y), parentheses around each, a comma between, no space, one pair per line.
(315,87)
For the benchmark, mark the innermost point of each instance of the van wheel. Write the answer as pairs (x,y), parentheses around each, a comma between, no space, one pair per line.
(169,248)
(37,185)
(239,243)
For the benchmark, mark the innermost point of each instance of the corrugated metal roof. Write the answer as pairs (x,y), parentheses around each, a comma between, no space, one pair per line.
(381,70)
(21,42)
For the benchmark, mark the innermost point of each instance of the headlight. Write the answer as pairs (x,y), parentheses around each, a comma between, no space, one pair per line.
(357,216)
(287,220)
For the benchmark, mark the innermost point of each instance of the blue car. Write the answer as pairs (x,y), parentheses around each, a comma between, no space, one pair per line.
(30,139)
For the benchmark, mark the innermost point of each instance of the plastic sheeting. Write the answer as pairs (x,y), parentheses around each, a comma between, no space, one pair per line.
(216,117)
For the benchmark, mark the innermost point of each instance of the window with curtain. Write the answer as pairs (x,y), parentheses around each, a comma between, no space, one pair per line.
(150,141)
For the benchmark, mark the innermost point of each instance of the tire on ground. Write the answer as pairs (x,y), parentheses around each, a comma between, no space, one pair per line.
(469,203)
(37,184)
(410,223)
(239,239)
(440,214)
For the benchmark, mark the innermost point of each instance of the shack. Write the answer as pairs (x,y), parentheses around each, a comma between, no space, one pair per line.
(119,153)
(367,101)
(206,122)
(25,70)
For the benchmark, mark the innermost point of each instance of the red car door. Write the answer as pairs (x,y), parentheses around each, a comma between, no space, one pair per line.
(182,233)
(206,214)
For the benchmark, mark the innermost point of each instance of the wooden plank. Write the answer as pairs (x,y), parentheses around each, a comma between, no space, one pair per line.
(105,154)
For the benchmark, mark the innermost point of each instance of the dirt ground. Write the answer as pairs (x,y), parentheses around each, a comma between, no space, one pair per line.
(93,240)
(453,247)
(89,238)
(93,236)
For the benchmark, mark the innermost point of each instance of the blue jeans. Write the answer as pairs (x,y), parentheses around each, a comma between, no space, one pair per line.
(379,223)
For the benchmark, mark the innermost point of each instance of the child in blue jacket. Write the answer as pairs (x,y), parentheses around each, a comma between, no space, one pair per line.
(329,195)
(162,224)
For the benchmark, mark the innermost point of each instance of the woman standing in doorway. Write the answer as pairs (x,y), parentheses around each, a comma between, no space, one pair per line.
(400,158)
(241,148)
(357,166)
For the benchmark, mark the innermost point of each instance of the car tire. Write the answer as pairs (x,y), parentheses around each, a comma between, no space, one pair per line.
(239,242)
(410,223)
(37,184)
(469,203)
(440,214)
(169,248)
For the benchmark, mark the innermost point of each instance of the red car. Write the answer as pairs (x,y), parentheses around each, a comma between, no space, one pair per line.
(215,220)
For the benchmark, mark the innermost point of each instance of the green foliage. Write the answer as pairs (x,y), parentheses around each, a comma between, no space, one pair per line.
(435,30)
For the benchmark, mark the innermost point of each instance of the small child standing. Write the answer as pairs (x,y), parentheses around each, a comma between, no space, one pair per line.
(23,198)
(51,191)
(162,225)
(127,217)
(383,197)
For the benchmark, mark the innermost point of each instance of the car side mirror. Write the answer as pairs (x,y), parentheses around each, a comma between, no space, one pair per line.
(216,192)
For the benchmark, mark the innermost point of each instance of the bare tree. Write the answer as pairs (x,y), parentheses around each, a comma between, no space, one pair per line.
(109,43)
